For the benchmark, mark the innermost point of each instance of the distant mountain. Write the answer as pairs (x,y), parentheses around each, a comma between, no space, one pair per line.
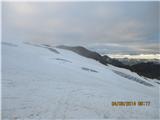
(149,69)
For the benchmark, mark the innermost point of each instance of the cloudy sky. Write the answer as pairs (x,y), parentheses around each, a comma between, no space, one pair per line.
(115,27)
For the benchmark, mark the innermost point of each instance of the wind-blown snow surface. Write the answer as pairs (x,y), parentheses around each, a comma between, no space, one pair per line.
(39,83)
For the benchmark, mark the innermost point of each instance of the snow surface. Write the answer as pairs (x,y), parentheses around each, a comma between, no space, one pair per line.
(40,84)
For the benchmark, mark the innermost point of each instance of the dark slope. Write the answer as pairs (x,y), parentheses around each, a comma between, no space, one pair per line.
(149,69)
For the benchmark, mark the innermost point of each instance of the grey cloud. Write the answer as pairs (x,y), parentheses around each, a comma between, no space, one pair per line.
(84,23)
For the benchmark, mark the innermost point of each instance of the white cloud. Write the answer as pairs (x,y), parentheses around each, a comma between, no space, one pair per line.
(141,56)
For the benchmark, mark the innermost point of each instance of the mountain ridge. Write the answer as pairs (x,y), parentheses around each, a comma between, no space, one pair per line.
(152,71)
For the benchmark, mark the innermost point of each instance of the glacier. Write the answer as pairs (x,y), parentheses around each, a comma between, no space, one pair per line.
(39,83)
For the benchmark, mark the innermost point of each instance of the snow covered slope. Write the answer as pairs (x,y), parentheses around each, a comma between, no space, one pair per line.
(38,82)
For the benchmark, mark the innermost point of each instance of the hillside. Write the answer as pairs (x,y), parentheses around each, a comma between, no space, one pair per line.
(41,82)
